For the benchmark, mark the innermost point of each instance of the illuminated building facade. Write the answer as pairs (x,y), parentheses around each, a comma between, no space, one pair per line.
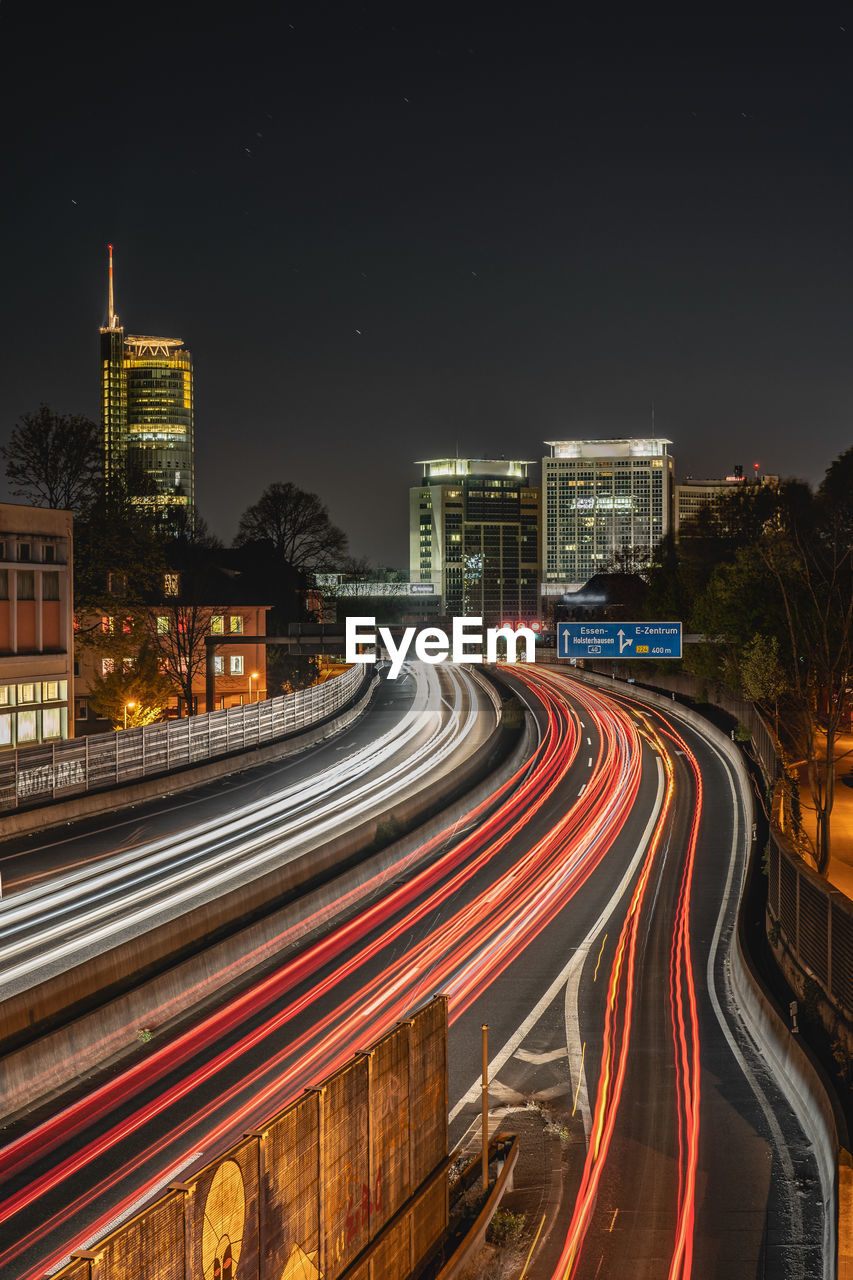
(36,625)
(602,498)
(474,530)
(147,405)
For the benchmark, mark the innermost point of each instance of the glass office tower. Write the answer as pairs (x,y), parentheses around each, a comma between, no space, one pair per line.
(147,405)
(474,526)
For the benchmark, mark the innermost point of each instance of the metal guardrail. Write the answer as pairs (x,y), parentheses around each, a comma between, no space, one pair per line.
(35,775)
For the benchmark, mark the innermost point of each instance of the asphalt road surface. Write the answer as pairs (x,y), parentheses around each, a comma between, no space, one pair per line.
(584,915)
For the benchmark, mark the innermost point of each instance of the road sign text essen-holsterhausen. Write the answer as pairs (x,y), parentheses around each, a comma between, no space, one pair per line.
(619,639)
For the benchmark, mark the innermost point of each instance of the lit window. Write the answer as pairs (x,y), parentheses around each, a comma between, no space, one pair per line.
(236,624)
(218,665)
(7,695)
(217,625)
(26,693)
(5,731)
(162,625)
(236,664)
(27,731)
(171,583)
(51,723)
(50,691)
(108,666)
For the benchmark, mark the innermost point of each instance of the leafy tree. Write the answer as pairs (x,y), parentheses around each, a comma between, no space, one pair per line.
(763,676)
(298,526)
(132,680)
(54,460)
(288,672)
(790,576)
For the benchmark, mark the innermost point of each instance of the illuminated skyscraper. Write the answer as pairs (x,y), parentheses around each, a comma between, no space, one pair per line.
(474,527)
(602,498)
(147,402)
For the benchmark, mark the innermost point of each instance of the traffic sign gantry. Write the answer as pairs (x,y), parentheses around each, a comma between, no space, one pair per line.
(619,639)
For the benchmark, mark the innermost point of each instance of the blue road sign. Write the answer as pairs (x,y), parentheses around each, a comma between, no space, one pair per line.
(619,639)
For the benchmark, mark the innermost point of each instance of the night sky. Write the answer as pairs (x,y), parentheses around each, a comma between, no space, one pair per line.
(390,231)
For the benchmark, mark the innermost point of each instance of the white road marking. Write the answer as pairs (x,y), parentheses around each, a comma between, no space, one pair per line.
(524,1055)
(794,1206)
(523,1030)
(574,968)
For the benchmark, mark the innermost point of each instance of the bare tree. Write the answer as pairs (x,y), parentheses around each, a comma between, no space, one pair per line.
(54,460)
(177,636)
(298,526)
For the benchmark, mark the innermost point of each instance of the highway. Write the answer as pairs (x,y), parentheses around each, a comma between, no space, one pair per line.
(62,919)
(583,914)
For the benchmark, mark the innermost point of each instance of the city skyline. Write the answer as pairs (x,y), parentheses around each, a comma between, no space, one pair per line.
(393,235)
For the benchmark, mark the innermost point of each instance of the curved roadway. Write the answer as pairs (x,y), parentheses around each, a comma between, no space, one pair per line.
(585,917)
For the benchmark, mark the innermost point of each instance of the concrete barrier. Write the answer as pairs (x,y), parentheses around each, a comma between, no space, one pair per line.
(333,886)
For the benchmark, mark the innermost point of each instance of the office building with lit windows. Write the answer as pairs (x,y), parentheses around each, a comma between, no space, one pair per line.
(602,498)
(147,406)
(474,531)
(36,625)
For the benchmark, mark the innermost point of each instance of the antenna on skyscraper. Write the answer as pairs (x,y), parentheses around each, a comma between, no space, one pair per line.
(112,317)
(653,417)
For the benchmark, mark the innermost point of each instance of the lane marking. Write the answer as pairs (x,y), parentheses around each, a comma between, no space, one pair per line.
(538,1059)
(784,1154)
(598,961)
(574,968)
(582,790)
(523,1030)
(532,1247)
(580,1077)
(589,763)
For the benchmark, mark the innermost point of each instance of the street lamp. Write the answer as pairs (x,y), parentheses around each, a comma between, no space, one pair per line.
(252,677)
(128,706)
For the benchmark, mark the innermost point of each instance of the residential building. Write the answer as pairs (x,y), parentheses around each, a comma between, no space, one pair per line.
(602,499)
(36,625)
(212,601)
(147,406)
(474,533)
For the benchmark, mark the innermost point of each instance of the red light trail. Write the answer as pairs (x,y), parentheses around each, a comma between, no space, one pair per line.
(462,953)
(615,1058)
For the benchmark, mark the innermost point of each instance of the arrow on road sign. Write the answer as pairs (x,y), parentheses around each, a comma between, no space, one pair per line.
(623,643)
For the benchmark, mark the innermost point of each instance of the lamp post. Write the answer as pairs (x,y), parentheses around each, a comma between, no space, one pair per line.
(128,706)
(252,677)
